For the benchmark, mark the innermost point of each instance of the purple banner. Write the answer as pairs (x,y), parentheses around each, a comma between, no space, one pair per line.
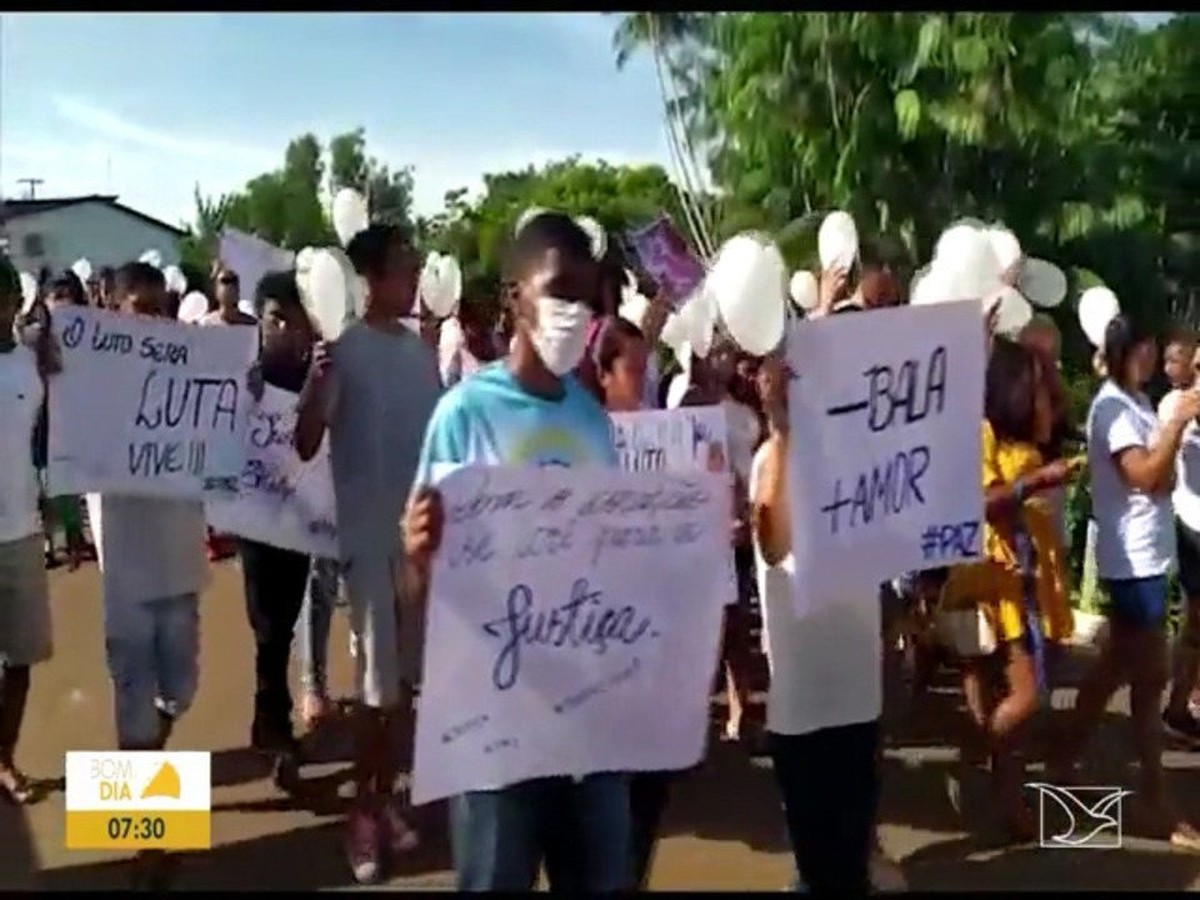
(666,257)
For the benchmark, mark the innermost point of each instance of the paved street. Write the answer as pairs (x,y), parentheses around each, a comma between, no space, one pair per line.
(724,829)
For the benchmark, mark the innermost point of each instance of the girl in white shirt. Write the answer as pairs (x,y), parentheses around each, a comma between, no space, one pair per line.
(1132,459)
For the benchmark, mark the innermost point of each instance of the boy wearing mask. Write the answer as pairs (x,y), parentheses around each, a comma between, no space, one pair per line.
(580,828)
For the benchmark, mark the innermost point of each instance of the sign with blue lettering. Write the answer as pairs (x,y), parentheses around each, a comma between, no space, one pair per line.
(885,455)
(147,406)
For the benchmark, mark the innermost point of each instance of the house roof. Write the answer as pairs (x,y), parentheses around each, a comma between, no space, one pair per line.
(14,209)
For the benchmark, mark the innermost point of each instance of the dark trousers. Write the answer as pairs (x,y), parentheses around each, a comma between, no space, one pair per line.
(829,780)
(275,580)
(648,796)
(14,691)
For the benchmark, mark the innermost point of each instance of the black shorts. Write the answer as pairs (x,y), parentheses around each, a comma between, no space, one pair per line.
(1188,543)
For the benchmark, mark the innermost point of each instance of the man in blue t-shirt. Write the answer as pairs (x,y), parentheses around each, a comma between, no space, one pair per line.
(528,410)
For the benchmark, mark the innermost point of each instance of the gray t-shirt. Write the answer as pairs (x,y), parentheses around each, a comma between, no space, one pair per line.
(385,386)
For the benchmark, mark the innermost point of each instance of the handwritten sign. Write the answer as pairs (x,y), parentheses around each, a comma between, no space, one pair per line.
(670,440)
(280,500)
(885,461)
(573,625)
(252,258)
(146,406)
(666,257)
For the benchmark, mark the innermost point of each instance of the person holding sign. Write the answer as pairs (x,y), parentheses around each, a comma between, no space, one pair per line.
(1020,587)
(275,578)
(825,694)
(529,411)
(153,569)
(1131,457)
(374,389)
(25,628)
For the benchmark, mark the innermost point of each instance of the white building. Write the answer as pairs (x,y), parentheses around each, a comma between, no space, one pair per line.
(55,232)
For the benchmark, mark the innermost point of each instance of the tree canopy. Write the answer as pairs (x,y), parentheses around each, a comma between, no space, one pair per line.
(1078,131)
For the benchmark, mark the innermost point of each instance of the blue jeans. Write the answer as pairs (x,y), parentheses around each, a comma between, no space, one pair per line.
(319,599)
(153,650)
(582,830)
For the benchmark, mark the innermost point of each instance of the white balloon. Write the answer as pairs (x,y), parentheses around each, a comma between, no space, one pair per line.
(837,241)
(526,217)
(303,266)
(29,290)
(748,282)
(356,286)
(966,256)
(674,336)
(804,290)
(328,294)
(176,280)
(633,305)
(933,286)
(1005,245)
(595,231)
(1097,307)
(192,307)
(449,279)
(349,214)
(1014,313)
(82,269)
(153,257)
(1043,283)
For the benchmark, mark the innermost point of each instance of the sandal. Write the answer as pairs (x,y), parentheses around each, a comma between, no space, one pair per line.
(15,787)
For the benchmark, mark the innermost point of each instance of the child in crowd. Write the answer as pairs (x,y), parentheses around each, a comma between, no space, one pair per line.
(153,571)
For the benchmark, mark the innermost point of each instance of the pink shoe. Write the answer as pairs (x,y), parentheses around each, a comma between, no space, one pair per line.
(362,846)
(402,837)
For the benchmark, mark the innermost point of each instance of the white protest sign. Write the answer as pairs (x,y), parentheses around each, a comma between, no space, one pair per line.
(280,500)
(252,258)
(573,625)
(672,440)
(884,466)
(146,406)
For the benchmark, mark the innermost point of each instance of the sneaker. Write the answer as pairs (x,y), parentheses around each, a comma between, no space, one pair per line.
(401,837)
(1184,727)
(362,846)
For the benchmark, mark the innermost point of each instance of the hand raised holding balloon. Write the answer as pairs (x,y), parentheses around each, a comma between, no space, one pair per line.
(833,287)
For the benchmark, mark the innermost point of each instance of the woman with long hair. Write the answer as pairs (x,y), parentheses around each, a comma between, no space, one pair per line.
(1019,586)
(1132,456)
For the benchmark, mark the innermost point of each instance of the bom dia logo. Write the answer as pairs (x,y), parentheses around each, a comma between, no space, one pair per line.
(138,799)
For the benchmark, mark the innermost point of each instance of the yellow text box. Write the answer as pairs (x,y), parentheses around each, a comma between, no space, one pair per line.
(139,829)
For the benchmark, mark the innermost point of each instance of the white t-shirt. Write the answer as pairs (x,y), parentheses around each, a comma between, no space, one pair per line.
(1186,498)
(20,399)
(826,668)
(1135,537)
(149,547)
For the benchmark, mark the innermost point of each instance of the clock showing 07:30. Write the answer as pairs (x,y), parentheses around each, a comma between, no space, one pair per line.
(138,800)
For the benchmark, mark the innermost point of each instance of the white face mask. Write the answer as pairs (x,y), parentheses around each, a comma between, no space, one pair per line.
(561,334)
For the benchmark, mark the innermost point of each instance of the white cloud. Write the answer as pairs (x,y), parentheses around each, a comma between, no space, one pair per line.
(107,123)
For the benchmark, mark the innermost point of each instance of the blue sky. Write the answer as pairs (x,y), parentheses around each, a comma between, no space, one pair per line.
(147,105)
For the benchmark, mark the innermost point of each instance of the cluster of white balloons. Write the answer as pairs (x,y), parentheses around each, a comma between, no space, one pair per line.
(837,248)
(973,260)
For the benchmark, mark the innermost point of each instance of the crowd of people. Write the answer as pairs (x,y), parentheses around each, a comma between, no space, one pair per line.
(401,406)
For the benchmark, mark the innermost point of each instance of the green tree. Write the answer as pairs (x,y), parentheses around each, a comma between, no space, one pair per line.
(388,192)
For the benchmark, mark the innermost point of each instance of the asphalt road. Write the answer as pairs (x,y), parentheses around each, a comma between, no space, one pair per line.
(723,831)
